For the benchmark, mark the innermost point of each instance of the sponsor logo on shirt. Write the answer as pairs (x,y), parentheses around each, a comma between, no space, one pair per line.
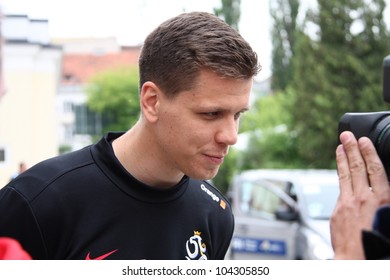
(101,257)
(196,249)
(222,203)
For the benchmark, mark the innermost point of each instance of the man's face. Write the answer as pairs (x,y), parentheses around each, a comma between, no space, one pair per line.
(196,128)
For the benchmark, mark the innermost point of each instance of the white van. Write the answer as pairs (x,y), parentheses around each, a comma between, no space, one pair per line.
(283,214)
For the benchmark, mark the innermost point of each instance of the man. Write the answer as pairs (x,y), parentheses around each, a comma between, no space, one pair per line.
(360,224)
(142,194)
(22,168)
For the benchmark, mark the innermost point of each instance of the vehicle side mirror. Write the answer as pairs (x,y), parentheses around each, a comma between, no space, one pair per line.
(287,215)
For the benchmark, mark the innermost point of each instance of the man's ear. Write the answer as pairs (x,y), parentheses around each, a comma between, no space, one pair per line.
(149,100)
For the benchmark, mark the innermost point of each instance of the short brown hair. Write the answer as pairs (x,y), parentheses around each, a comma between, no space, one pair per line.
(176,51)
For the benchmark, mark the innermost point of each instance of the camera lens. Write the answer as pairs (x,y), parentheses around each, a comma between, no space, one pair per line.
(380,136)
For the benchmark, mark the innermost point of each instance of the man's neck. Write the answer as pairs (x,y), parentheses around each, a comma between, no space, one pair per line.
(137,151)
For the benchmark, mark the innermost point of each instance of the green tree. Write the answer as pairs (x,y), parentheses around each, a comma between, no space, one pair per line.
(230,12)
(269,142)
(114,94)
(284,31)
(337,70)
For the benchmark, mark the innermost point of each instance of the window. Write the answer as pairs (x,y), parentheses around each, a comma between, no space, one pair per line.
(2,155)
(258,199)
(87,122)
(68,107)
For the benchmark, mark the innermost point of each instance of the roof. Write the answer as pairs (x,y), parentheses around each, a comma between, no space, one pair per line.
(79,68)
(27,42)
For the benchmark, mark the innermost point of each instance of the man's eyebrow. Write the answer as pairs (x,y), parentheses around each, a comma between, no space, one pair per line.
(222,109)
(244,110)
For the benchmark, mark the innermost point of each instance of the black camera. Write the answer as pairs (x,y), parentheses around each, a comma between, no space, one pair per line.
(374,125)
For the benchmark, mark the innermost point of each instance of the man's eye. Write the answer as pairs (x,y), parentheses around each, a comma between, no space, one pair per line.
(211,114)
(238,115)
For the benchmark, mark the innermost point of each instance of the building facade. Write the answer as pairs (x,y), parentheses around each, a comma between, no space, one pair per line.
(31,70)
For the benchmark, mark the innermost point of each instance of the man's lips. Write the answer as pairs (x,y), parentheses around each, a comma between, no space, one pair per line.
(217,159)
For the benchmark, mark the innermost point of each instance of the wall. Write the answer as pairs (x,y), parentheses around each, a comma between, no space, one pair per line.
(28,122)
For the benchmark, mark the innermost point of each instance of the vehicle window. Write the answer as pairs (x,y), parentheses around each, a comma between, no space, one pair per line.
(320,200)
(285,186)
(259,200)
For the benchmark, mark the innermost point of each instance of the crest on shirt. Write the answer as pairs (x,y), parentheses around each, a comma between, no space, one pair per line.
(195,247)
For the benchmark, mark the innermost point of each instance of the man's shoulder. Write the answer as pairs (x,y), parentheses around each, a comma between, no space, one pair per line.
(210,193)
(35,179)
(55,166)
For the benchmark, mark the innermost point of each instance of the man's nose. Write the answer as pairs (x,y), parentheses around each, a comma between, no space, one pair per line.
(228,132)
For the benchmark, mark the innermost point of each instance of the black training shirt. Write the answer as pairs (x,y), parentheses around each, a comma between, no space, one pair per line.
(85,205)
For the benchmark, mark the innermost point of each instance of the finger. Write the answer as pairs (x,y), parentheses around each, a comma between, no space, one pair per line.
(343,173)
(357,166)
(375,169)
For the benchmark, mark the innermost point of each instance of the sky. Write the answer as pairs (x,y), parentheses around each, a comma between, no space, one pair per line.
(130,21)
